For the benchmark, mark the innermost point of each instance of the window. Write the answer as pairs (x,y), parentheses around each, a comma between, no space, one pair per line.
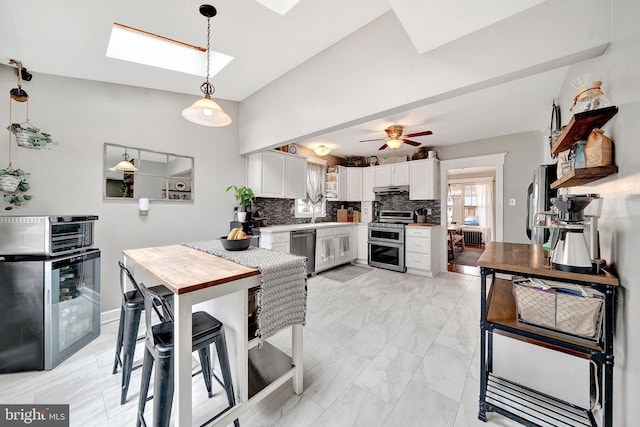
(314,205)
(470,205)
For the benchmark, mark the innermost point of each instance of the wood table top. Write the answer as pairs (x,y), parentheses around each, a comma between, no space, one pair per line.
(183,269)
(530,259)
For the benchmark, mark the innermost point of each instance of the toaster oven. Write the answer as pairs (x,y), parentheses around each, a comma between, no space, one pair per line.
(45,235)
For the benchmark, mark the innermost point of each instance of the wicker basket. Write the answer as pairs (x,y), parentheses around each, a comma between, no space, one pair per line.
(22,137)
(560,312)
(9,183)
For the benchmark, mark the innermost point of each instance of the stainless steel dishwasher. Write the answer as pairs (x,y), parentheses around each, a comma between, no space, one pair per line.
(303,243)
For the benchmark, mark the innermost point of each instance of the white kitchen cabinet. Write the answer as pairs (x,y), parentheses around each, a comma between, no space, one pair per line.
(421,253)
(276,241)
(334,246)
(296,177)
(363,243)
(393,174)
(424,179)
(368,184)
(277,175)
(354,184)
(382,175)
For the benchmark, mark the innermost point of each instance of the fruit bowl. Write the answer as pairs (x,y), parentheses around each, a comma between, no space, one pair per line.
(235,245)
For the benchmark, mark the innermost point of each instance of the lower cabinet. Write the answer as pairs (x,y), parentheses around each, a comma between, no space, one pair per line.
(334,246)
(276,241)
(421,254)
(362,237)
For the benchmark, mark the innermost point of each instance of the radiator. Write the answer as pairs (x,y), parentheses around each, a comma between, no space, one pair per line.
(473,237)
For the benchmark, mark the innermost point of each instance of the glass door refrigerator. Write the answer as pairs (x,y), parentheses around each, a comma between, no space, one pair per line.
(49,309)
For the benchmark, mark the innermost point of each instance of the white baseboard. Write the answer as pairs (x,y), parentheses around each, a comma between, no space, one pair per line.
(109,316)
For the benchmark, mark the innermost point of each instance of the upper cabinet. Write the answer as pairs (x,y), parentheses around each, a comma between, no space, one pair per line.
(424,179)
(579,128)
(277,175)
(393,174)
(368,184)
(354,184)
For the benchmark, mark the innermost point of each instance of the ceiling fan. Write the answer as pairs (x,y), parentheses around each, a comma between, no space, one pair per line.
(396,139)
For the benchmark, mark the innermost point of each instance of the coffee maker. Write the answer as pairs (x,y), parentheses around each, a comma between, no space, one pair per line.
(573,250)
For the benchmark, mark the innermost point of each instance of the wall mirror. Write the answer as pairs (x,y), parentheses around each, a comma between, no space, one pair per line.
(157,175)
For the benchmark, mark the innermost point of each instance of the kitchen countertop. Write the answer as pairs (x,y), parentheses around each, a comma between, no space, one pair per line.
(308,226)
(424,224)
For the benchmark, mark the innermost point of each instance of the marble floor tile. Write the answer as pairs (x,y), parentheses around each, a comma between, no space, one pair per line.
(389,373)
(354,407)
(286,409)
(419,406)
(444,370)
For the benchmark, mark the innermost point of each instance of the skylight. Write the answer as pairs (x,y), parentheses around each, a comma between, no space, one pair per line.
(279,6)
(134,45)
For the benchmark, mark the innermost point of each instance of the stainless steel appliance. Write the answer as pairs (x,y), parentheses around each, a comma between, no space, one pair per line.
(571,251)
(49,289)
(539,197)
(303,243)
(45,235)
(49,309)
(392,189)
(386,240)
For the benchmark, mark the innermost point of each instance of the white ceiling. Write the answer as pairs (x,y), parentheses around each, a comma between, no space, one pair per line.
(69,38)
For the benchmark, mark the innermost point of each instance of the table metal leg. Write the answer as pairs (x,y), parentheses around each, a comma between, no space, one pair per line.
(182,362)
(297,355)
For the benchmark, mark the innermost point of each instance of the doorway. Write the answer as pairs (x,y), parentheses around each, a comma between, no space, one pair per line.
(493,163)
(470,216)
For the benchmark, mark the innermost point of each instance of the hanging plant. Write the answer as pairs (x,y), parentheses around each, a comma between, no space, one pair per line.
(29,136)
(14,181)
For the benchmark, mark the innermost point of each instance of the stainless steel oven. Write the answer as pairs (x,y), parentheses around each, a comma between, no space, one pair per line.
(386,240)
(45,235)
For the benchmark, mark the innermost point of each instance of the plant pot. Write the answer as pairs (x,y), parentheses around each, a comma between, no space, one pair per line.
(9,183)
(242,216)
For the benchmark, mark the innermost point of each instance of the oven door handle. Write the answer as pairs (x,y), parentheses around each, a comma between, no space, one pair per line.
(385,243)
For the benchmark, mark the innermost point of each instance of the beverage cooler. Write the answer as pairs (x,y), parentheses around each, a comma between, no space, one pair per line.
(49,303)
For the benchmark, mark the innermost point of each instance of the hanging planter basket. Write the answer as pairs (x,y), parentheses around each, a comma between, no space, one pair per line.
(29,136)
(9,183)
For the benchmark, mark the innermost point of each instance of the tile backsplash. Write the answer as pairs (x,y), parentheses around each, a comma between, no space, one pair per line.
(281,211)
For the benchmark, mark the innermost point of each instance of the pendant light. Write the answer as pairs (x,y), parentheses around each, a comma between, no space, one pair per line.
(125,164)
(205,111)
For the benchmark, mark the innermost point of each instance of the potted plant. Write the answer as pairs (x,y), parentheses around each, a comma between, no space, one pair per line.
(29,136)
(13,181)
(244,196)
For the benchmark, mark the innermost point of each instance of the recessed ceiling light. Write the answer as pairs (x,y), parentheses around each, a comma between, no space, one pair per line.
(279,6)
(142,47)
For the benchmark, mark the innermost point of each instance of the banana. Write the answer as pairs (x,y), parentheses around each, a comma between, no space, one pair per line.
(240,235)
(232,234)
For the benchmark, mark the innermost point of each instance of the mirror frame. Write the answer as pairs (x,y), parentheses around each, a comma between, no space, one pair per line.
(166,191)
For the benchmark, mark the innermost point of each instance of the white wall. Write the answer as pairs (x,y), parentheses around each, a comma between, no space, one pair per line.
(523,155)
(377,70)
(619,229)
(67,178)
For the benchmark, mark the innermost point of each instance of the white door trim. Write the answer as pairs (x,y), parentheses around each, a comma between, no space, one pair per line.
(496,160)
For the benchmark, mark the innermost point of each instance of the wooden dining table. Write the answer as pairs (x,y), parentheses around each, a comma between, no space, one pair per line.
(220,287)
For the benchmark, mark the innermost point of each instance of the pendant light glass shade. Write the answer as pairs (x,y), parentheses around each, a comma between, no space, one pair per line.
(206,112)
(322,150)
(394,143)
(126,166)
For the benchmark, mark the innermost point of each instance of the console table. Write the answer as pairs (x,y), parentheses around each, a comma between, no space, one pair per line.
(498,315)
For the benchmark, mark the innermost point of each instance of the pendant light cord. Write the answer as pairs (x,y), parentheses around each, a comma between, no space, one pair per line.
(207,88)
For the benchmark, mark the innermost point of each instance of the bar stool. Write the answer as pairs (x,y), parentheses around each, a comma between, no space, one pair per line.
(130,311)
(206,330)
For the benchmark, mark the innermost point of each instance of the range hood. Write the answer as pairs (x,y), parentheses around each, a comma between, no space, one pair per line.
(393,189)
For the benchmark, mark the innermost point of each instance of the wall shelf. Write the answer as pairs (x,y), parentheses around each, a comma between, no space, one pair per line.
(580,125)
(583,176)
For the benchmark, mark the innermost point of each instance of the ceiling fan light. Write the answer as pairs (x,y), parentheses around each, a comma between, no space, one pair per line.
(322,150)
(206,112)
(394,144)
